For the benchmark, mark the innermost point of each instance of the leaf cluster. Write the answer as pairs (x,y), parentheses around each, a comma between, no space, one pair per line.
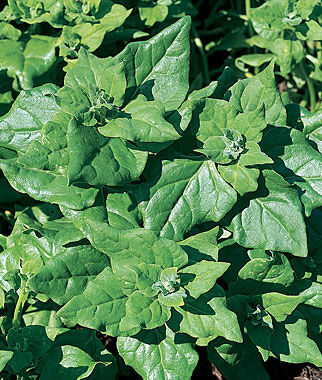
(160,215)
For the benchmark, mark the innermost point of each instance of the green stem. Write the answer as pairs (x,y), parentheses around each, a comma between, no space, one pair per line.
(319,50)
(310,87)
(17,313)
(199,45)
(247,8)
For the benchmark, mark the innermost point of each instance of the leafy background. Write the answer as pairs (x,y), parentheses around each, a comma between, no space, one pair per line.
(164,190)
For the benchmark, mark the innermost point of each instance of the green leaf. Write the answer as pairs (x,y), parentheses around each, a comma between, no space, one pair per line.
(280,305)
(262,273)
(143,122)
(92,34)
(254,60)
(98,160)
(207,317)
(46,186)
(267,18)
(121,211)
(273,222)
(291,343)
(306,7)
(23,123)
(67,274)
(254,155)
(87,78)
(5,357)
(42,314)
(152,13)
(159,65)
(101,306)
(237,360)
(247,95)
(144,312)
(26,62)
(71,362)
(143,246)
(242,179)
(206,273)
(311,30)
(147,276)
(285,144)
(202,246)
(192,192)
(155,354)
(216,117)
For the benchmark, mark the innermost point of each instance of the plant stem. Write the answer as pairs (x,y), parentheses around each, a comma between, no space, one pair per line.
(310,87)
(199,45)
(18,308)
(319,50)
(247,8)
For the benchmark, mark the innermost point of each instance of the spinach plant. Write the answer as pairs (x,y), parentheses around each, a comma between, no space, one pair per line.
(291,32)
(165,217)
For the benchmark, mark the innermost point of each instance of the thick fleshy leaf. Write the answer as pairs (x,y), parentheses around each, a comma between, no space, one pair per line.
(250,94)
(67,274)
(237,360)
(68,362)
(305,171)
(273,222)
(155,354)
(242,179)
(267,19)
(101,306)
(152,13)
(159,65)
(23,123)
(144,312)
(291,343)
(46,186)
(92,34)
(207,317)
(121,211)
(191,191)
(254,155)
(280,305)
(5,356)
(42,314)
(86,80)
(262,273)
(99,160)
(143,121)
(143,246)
(26,62)
(205,274)
(202,246)
(216,117)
